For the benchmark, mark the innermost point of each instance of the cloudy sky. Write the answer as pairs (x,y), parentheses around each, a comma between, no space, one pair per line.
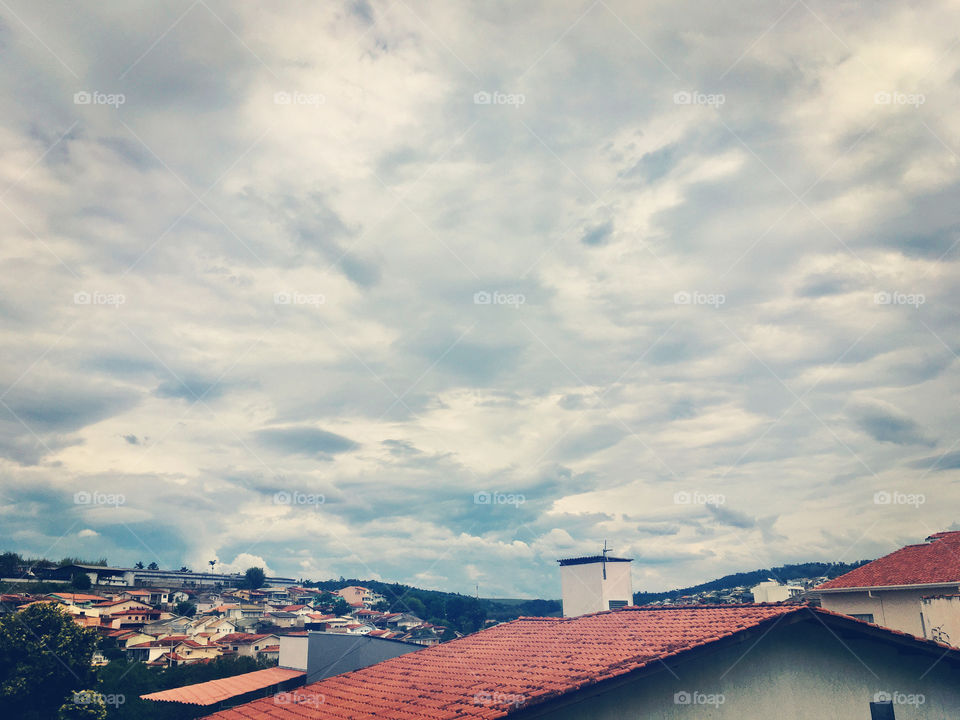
(441,292)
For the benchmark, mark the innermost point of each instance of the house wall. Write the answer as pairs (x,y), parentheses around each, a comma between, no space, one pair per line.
(943,614)
(896,609)
(585,590)
(293,651)
(799,672)
(334,653)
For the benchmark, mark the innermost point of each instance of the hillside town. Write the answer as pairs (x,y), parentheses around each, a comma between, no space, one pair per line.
(143,624)
(344,644)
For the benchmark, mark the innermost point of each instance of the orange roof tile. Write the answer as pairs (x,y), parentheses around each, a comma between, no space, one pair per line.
(529,660)
(567,653)
(214,691)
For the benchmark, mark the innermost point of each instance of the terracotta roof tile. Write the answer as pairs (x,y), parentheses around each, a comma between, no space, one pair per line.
(530,659)
(936,561)
(214,691)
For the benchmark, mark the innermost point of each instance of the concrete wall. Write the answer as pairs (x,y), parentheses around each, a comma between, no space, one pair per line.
(293,651)
(770,591)
(941,618)
(334,653)
(585,590)
(798,672)
(897,609)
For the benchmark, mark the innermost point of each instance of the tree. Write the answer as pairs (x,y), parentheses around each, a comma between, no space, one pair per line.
(254,578)
(139,565)
(44,655)
(341,607)
(84,705)
(80,581)
(414,606)
(9,564)
(185,608)
(153,566)
(184,568)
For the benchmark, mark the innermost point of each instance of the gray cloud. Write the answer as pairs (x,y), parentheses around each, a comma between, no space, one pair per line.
(397,198)
(886,425)
(305,441)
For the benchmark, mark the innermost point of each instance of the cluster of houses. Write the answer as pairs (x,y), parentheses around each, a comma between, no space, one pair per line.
(142,623)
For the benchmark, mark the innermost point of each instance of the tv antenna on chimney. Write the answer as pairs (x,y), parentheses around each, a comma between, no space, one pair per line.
(604,556)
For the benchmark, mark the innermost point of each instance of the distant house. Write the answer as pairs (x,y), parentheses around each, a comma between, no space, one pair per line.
(247,644)
(724,662)
(170,651)
(889,591)
(283,619)
(76,599)
(358,596)
(116,606)
(773,591)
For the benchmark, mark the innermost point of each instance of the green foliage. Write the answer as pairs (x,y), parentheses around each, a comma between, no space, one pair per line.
(101,562)
(80,581)
(254,578)
(459,612)
(153,566)
(10,564)
(84,705)
(44,655)
(185,608)
(340,607)
(749,579)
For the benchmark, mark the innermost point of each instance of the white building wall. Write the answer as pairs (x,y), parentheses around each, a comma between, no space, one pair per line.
(585,590)
(770,591)
(799,672)
(293,651)
(941,619)
(895,609)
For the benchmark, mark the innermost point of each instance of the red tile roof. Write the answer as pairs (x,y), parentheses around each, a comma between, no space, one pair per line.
(936,561)
(214,691)
(530,658)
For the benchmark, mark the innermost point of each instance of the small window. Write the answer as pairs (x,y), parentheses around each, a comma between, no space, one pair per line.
(866,617)
(882,711)
(614,604)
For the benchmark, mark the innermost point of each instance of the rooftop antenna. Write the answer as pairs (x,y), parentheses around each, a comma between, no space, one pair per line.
(604,556)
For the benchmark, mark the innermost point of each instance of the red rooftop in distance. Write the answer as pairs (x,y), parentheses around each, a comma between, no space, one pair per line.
(935,562)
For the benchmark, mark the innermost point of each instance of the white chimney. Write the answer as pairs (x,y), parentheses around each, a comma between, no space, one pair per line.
(595,583)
